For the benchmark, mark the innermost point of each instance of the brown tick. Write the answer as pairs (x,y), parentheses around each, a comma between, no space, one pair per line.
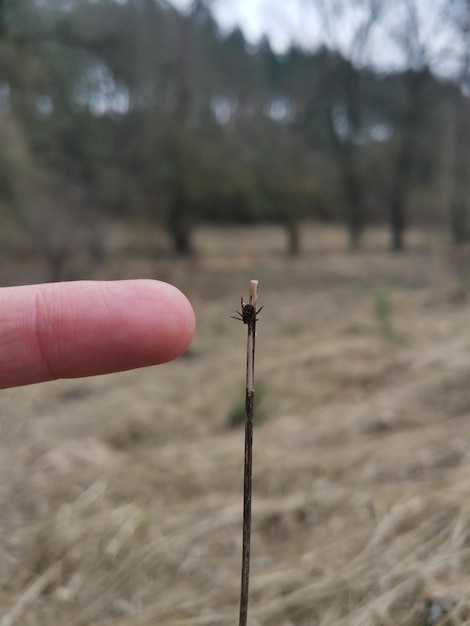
(248,313)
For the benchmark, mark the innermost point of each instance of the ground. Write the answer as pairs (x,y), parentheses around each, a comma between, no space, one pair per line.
(121,499)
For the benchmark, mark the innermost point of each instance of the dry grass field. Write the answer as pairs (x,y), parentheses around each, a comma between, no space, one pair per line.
(121,496)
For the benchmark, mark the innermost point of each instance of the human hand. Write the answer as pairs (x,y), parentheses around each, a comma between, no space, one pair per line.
(68,330)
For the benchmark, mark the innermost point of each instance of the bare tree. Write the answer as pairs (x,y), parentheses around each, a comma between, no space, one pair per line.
(343,105)
(457,127)
(66,234)
(407,34)
(179,205)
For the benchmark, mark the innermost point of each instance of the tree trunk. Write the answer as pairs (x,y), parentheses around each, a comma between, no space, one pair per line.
(2,18)
(178,223)
(55,261)
(412,122)
(459,226)
(355,216)
(293,236)
(397,213)
(458,200)
(353,193)
(397,228)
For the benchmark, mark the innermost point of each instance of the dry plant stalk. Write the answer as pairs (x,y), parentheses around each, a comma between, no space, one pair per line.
(28,597)
(248,316)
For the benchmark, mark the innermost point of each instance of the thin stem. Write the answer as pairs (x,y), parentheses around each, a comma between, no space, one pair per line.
(247,480)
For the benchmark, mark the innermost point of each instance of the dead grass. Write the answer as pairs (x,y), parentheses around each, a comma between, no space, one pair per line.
(121,499)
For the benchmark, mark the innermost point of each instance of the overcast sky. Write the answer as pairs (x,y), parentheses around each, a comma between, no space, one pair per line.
(286,21)
(282,20)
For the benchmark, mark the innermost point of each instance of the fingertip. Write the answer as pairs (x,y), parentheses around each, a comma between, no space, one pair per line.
(149,322)
(178,314)
(68,330)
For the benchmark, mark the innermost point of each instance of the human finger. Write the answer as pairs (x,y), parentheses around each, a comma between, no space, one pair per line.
(67,330)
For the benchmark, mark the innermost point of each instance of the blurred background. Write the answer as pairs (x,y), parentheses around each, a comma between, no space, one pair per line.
(175,115)
(321,147)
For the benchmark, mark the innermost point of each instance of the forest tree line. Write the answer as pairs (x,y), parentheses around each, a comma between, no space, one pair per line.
(134,110)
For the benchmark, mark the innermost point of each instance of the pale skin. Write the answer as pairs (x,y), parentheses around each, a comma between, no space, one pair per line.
(86,328)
